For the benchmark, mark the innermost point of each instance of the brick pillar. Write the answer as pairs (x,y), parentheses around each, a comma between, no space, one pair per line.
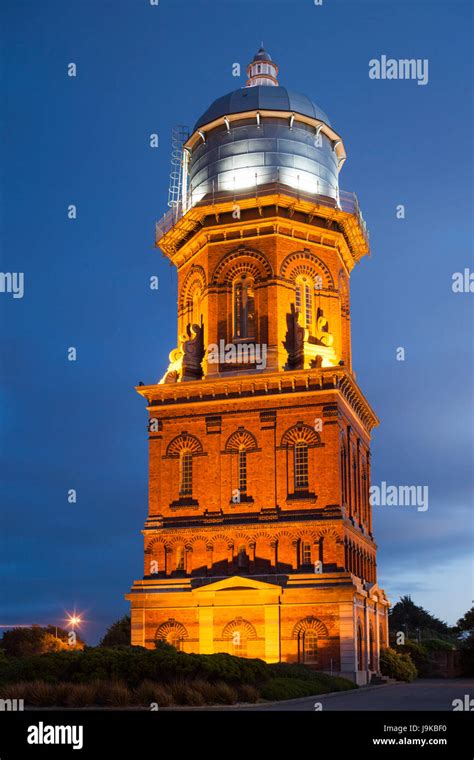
(206,630)
(188,559)
(274,555)
(209,558)
(377,638)
(252,557)
(272,633)
(296,552)
(230,557)
(168,557)
(347,639)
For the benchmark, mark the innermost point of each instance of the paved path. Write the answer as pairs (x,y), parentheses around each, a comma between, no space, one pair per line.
(424,694)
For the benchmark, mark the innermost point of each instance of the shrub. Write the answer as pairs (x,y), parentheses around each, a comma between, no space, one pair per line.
(185,693)
(80,695)
(149,692)
(437,645)
(248,693)
(397,665)
(418,655)
(225,694)
(286,688)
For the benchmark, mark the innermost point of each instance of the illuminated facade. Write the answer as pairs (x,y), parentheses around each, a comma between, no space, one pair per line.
(259,539)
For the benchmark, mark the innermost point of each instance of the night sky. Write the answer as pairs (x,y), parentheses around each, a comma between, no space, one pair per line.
(80,425)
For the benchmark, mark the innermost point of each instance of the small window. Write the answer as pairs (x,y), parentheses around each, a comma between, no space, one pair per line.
(186,474)
(175,641)
(304,301)
(306,553)
(301,466)
(239,644)
(310,647)
(242,559)
(244,308)
(180,558)
(242,470)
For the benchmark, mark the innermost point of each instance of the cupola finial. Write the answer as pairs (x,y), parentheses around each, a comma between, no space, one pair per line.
(262,70)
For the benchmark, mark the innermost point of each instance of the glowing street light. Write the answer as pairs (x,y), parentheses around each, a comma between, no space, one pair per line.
(74,620)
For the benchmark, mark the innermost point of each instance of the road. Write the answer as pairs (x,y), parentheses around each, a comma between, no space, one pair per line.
(424,694)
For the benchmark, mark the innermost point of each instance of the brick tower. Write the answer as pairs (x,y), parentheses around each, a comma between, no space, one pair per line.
(259,540)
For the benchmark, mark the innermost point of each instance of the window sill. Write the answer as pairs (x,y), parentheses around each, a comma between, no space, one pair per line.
(244,499)
(185,502)
(302,496)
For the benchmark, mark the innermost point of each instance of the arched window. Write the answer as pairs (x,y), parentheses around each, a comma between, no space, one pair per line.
(196,307)
(360,648)
(343,474)
(301,466)
(304,300)
(242,558)
(180,558)
(305,553)
(371,664)
(244,307)
(185,473)
(239,644)
(242,454)
(310,647)
(175,641)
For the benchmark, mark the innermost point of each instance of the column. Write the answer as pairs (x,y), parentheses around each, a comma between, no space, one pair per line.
(168,558)
(209,558)
(252,557)
(347,639)
(206,630)
(274,554)
(272,633)
(296,552)
(188,559)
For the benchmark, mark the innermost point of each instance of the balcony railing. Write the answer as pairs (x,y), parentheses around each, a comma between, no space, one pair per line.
(345,201)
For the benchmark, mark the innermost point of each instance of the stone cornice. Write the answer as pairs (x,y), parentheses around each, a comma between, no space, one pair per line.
(283,212)
(261,384)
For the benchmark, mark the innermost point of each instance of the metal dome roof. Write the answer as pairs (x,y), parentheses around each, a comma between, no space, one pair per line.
(261,98)
(262,55)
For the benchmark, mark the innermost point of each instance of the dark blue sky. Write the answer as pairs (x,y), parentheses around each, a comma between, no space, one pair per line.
(85,141)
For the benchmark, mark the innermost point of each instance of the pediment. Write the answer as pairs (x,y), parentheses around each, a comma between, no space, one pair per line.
(237,583)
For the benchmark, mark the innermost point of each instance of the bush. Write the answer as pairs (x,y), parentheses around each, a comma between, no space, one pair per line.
(185,693)
(397,665)
(437,645)
(225,694)
(150,692)
(418,655)
(287,688)
(247,693)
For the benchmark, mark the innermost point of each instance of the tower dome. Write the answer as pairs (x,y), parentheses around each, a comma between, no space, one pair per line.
(260,134)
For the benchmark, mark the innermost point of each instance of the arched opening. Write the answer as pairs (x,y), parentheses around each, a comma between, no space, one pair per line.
(185,473)
(360,647)
(304,300)
(306,553)
(244,307)
(239,644)
(242,558)
(175,640)
(310,648)
(196,307)
(301,466)
(242,469)
(371,664)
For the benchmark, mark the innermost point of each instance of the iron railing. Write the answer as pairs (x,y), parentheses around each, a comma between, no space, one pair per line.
(345,201)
